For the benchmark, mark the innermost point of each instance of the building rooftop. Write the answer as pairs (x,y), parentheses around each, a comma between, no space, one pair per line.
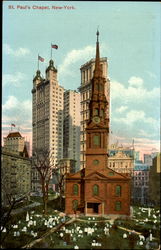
(141,167)
(14,134)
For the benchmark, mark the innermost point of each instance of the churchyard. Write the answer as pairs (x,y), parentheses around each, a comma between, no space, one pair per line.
(142,231)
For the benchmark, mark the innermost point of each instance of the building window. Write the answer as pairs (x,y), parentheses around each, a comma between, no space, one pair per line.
(96,140)
(101,112)
(75,189)
(75,205)
(111,173)
(118,190)
(96,190)
(118,205)
(96,162)
(96,111)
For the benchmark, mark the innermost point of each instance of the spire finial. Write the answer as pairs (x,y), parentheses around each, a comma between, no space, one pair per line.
(97,33)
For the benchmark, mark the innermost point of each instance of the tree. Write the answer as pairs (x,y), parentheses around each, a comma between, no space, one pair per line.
(59,172)
(6,218)
(42,160)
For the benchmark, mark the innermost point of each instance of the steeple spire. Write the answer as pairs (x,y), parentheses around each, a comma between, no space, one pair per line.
(98,70)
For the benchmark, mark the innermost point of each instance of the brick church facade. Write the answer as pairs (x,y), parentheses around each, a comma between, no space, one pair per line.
(97,189)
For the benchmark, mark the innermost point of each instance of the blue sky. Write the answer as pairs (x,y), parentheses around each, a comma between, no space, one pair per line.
(129,38)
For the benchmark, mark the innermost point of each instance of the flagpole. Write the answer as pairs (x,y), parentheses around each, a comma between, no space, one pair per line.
(51,50)
(38,62)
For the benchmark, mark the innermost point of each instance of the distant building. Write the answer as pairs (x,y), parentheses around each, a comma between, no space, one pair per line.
(154,181)
(148,159)
(121,163)
(72,126)
(14,141)
(15,168)
(85,89)
(141,184)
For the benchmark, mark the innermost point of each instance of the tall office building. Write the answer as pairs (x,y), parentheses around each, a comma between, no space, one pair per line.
(47,114)
(72,126)
(85,89)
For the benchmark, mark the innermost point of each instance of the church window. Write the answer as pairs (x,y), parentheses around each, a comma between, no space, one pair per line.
(101,112)
(96,162)
(101,87)
(97,87)
(75,189)
(118,205)
(75,205)
(96,140)
(96,111)
(118,190)
(96,190)
(111,173)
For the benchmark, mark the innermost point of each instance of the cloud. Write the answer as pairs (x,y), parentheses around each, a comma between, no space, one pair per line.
(134,92)
(74,56)
(18,112)
(14,79)
(17,53)
(135,81)
(121,109)
(135,116)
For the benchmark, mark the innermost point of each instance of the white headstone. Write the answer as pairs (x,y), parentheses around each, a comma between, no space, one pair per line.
(4,230)
(151,237)
(27,217)
(124,236)
(149,211)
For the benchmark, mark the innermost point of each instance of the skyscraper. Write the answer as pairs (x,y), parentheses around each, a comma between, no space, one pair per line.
(72,126)
(47,114)
(85,89)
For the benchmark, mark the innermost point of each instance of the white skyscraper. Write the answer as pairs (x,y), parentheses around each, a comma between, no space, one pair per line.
(47,113)
(72,126)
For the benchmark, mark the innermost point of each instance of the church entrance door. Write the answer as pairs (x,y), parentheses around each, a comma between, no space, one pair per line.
(93,208)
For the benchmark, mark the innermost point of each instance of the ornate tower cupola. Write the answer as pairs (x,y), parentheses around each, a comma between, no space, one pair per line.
(37,79)
(97,126)
(51,71)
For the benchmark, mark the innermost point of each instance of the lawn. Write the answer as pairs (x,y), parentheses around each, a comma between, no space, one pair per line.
(85,232)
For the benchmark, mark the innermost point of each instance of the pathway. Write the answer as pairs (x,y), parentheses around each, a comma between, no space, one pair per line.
(22,209)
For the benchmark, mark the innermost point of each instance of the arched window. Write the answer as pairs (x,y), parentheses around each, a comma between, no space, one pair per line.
(75,189)
(96,190)
(97,87)
(75,205)
(101,112)
(101,87)
(118,190)
(118,205)
(96,111)
(96,140)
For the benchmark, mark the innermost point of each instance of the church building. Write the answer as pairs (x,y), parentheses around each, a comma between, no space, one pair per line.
(97,189)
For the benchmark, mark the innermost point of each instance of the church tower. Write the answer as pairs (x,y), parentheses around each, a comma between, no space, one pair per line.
(97,129)
(97,189)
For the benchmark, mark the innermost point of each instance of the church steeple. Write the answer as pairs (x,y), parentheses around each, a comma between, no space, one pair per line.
(98,103)
(97,126)
(98,70)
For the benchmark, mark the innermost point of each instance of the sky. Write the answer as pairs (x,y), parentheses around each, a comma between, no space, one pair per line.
(129,38)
